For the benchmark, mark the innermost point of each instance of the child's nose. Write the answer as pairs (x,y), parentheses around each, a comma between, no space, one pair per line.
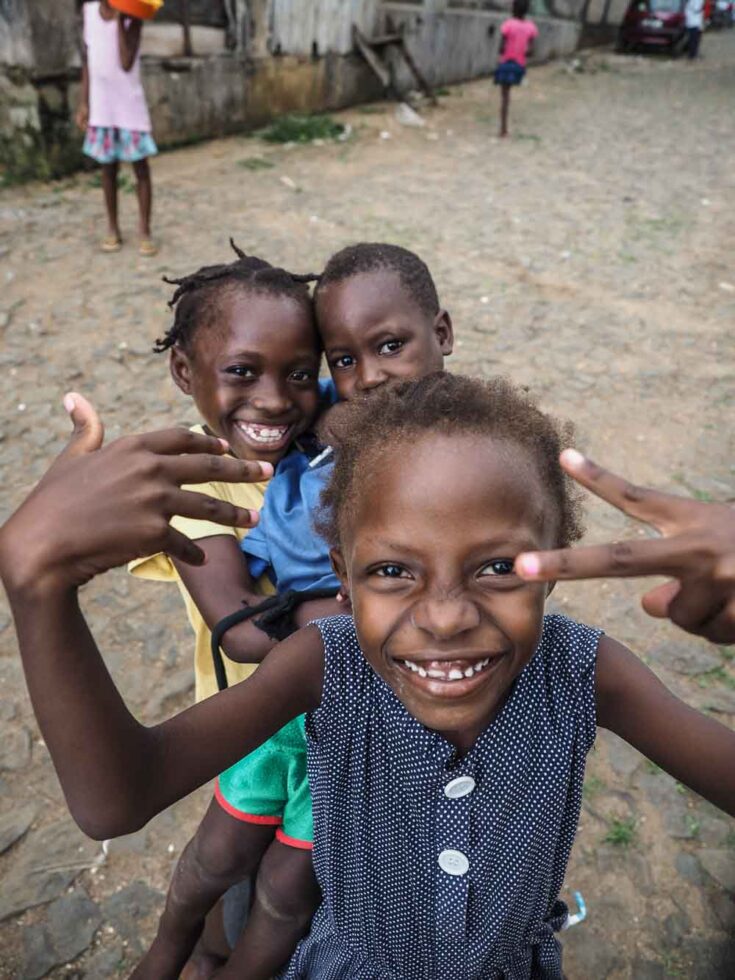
(271,398)
(444,618)
(370,376)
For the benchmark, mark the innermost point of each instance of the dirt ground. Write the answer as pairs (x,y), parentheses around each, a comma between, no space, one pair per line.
(590,257)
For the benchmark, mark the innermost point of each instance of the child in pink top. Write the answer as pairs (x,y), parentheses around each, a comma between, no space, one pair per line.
(114,113)
(517,37)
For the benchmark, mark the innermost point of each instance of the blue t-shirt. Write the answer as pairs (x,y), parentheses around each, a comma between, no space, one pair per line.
(284,543)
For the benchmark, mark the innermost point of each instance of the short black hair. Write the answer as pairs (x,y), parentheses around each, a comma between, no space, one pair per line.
(373,256)
(520,8)
(199,296)
(448,404)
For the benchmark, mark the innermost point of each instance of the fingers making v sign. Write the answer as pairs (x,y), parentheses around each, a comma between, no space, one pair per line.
(695,550)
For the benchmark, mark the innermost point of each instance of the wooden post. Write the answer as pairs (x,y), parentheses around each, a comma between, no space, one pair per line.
(186,25)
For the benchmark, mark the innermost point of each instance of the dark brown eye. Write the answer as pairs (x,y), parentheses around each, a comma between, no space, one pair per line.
(390,571)
(499,566)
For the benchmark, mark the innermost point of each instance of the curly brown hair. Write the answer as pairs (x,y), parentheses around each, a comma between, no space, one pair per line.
(363,257)
(449,404)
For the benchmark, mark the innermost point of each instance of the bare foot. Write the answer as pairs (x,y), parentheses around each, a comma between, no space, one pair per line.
(164,960)
(202,966)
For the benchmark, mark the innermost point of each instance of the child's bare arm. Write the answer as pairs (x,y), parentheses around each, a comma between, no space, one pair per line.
(128,39)
(223,584)
(115,772)
(93,509)
(81,117)
(220,587)
(696,551)
(633,703)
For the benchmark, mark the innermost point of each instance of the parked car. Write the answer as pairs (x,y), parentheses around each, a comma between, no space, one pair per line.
(723,14)
(653,23)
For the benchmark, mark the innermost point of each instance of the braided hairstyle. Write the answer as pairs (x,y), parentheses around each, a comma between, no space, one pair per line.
(199,296)
(378,256)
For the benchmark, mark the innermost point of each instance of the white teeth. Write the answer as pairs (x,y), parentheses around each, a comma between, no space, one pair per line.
(455,674)
(263,433)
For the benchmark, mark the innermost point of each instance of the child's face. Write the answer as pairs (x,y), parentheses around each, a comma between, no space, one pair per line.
(253,376)
(373,330)
(428,563)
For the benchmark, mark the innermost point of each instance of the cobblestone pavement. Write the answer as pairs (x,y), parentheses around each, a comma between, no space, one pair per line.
(591,257)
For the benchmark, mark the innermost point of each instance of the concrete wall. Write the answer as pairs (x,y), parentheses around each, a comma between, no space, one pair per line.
(15,34)
(319,25)
(455,43)
(193,99)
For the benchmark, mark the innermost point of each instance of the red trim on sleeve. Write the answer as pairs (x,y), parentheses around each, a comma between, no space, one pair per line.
(240,814)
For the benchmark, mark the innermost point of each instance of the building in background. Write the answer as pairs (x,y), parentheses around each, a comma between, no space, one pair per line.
(248,60)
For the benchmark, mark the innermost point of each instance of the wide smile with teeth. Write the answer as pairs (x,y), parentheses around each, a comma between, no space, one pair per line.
(266,435)
(451,671)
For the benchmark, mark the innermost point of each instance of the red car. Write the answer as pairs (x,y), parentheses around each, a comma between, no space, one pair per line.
(653,23)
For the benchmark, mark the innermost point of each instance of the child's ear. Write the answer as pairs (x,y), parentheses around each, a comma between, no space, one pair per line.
(444,332)
(180,367)
(340,570)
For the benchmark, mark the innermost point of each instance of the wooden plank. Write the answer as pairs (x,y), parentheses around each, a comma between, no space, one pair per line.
(418,75)
(363,46)
(186,26)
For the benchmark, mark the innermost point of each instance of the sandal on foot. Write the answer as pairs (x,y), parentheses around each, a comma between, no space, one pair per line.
(112,243)
(147,248)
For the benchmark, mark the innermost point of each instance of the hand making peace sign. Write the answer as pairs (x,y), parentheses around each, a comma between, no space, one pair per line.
(696,550)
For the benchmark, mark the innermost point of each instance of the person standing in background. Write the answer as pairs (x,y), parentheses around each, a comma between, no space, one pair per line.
(694,20)
(516,44)
(113,113)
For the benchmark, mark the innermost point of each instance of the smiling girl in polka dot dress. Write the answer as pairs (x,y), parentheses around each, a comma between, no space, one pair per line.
(448,723)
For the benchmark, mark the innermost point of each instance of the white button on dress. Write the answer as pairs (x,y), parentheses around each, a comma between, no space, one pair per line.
(459,787)
(454,862)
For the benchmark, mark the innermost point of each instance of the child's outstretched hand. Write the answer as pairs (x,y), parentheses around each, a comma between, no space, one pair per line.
(97,508)
(696,550)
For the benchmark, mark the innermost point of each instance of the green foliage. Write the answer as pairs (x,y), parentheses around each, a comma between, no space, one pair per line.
(294,128)
(255,163)
(621,833)
(673,965)
(125,182)
(592,786)
(718,675)
(692,824)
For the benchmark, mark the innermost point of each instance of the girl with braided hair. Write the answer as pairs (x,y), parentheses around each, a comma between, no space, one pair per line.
(244,347)
(379,319)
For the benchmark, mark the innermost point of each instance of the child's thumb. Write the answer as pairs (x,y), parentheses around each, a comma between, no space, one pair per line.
(89,432)
(656,601)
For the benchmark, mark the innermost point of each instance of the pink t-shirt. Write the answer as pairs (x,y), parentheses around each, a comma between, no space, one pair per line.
(116,97)
(518,34)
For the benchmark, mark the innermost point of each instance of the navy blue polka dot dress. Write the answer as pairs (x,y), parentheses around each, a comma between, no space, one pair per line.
(435,866)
